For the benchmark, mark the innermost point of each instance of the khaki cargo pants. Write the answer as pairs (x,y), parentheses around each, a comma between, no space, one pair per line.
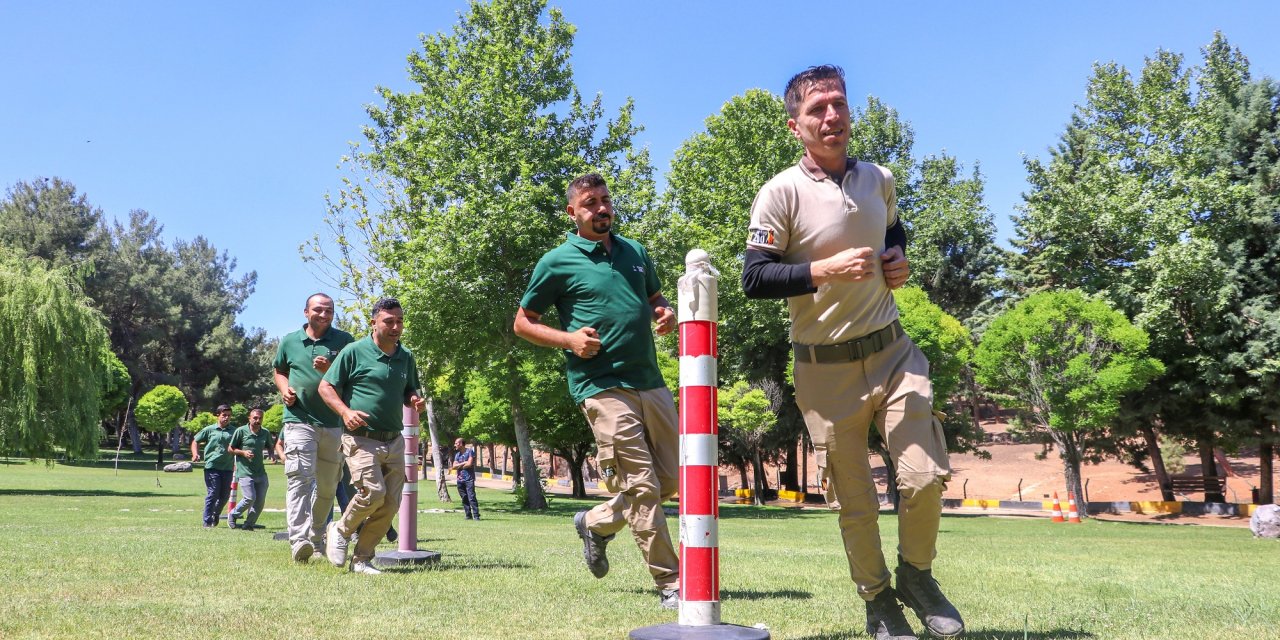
(637,434)
(377,474)
(840,401)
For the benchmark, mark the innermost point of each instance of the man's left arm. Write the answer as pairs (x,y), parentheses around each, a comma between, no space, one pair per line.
(411,396)
(663,314)
(894,259)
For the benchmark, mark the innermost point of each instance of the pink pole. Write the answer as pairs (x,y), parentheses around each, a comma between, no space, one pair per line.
(409,497)
(699,428)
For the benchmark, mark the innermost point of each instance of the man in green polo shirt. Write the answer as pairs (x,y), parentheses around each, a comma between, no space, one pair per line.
(310,430)
(248,444)
(367,387)
(210,445)
(605,290)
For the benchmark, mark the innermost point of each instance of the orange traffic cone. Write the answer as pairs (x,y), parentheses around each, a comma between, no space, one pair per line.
(1057,509)
(1072,515)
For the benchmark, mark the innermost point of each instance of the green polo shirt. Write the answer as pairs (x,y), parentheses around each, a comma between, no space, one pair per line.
(293,358)
(244,438)
(590,287)
(215,441)
(371,381)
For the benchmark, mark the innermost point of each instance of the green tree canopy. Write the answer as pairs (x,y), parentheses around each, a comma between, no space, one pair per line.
(160,408)
(53,372)
(1067,361)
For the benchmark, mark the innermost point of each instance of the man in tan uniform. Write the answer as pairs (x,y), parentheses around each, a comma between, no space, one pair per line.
(825,235)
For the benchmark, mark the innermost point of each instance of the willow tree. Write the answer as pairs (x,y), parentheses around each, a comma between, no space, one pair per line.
(52,368)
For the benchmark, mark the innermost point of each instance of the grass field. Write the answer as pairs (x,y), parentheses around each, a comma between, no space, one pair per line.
(89,554)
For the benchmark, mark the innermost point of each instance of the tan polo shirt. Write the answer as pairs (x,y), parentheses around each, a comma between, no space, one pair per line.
(803,215)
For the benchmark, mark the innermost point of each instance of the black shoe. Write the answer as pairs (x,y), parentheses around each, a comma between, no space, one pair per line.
(593,545)
(885,620)
(920,591)
(669,599)
(392,535)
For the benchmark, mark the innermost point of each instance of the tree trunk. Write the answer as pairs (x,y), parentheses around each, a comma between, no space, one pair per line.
(757,473)
(804,460)
(788,476)
(1157,462)
(1208,469)
(159,452)
(1266,483)
(131,421)
(1070,455)
(516,475)
(574,462)
(442,486)
(742,476)
(506,452)
(973,402)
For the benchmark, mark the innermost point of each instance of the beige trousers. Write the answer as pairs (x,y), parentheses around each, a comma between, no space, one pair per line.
(840,402)
(312,467)
(377,474)
(638,438)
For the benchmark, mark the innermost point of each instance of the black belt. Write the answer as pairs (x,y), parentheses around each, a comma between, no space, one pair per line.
(851,350)
(380,436)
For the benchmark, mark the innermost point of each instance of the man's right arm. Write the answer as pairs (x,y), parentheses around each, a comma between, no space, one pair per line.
(584,343)
(195,447)
(282,385)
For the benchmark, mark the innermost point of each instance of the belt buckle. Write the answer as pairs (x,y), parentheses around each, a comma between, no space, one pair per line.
(877,341)
(855,350)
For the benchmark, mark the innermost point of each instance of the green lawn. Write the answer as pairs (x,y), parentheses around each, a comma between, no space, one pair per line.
(89,554)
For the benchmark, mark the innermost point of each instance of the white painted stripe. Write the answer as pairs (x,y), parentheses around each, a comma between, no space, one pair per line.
(697,371)
(410,487)
(410,460)
(411,432)
(699,531)
(698,449)
(699,614)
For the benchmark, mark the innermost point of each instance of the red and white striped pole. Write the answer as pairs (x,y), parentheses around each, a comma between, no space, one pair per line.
(407,546)
(699,467)
(699,459)
(235,490)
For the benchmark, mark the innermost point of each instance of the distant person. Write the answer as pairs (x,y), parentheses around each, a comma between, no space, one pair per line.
(218,464)
(250,444)
(825,235)
(464,464)
(368,386)
(606,292)
(311,431)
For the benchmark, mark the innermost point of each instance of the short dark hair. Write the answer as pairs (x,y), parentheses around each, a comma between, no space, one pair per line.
(258,409)
(221,408)
(793,95)
(588,181)
(385,304)
(320,294)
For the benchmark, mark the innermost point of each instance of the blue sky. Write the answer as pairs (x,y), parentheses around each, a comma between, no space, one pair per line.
(227,119)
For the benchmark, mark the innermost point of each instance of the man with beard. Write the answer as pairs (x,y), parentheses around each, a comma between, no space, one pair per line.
(367,386)
(311,431)
(825,235)
(605,290)
(218,463)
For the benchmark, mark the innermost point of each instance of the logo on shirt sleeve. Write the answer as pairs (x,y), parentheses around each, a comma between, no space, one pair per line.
(761,236)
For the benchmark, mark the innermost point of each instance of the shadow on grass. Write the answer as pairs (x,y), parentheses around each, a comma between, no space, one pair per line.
(463,562)
(83,493)
(745,512)
(752,594)
(988,634)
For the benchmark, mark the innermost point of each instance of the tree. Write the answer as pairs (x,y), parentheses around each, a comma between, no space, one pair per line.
(115,384)
(555,421)
(159,411)
(47,219)
(478,156)
(53,372)
(1067,361)
(273,418)
(745,419)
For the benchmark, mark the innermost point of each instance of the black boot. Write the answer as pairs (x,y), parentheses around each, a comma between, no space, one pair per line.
(885,620)
(920,591)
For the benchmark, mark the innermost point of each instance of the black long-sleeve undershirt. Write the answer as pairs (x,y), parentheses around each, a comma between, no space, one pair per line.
(765,276)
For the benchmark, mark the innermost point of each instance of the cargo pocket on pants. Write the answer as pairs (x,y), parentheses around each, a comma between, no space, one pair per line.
(608,468)
(824,479)
(939,449)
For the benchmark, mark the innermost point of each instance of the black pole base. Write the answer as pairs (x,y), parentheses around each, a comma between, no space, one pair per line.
(708,632)
(404,558)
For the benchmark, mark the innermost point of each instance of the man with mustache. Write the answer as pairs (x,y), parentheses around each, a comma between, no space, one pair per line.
(825,235)
(367,386)
(605,290)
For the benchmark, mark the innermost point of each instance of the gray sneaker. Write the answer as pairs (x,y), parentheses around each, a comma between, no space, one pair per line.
(920,591)
(335,547)
(302,551)
(366,568)
(669,599)
(593,545)
(885,620)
